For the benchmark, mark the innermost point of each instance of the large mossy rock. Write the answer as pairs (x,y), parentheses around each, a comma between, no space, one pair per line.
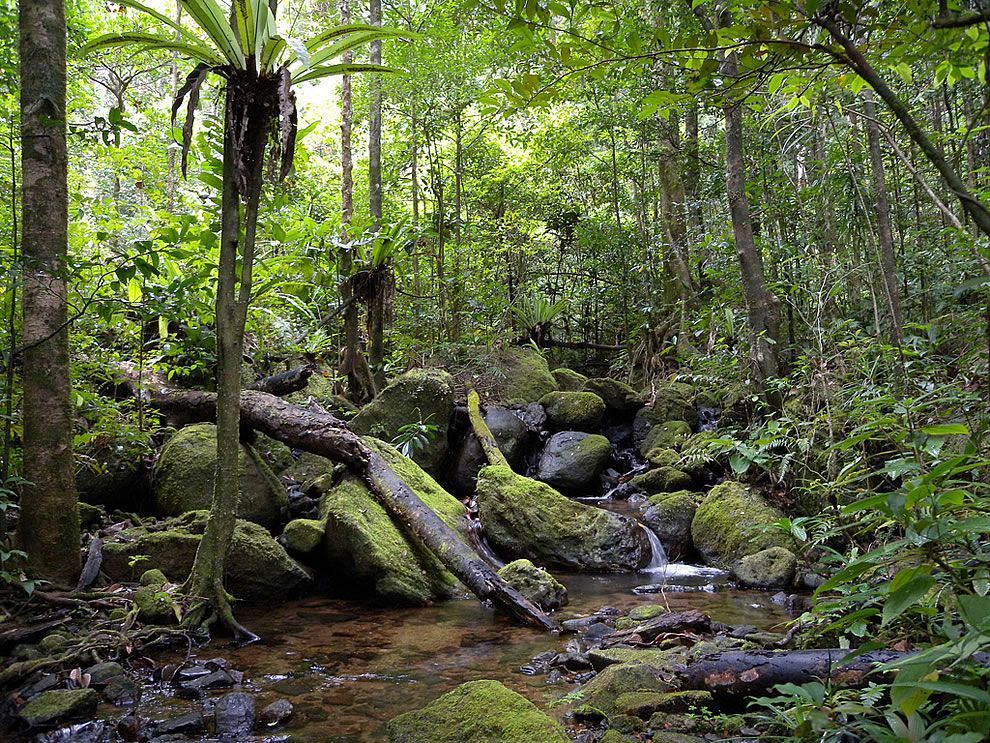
(669,435)
(363,547)
(59,705)
(619,397)
(731,522)
(527,518)
(673,401)
(569,380)
(258,567)
(511,434)
(184,475)
(572,462)
(480,712)
(536,584)
(574,411)
(524,376)
(773,567)
(662,480)
(425,395)
(669,516)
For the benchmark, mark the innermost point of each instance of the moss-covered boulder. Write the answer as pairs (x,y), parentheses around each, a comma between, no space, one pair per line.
(363,547)
(619,397)
(773,567)
(302,537)
(731,522)
(527,518)
(477,711)
(535,583)
(277,455)
(425,395)
(673,401)
(661,456)
(59,705)
(601,694)
(184,474)
(572,462)
(524,376)
(258,567)
(669,516)
(669,435)
(569,380)
(512,435)
(662,480)
(573,411)
(155,605)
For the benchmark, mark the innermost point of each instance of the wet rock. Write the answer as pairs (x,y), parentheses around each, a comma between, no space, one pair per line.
(573,411)
(184,473)
(419,395)
(155,606)
(59,705)
(122,691)
(662,480)
(532,414)
(572,661)
(525,376)
(618,396)
(773,567)
(601,694)
(130,728)
(526,518)
(258,569)
(669,516)
(476,711)
(572,461)
(188,724)
(276,713)
(569,380)
(233,715)
(731,522)
(625,491)
(46,682)
(535,584)
(214,680)
(363,546)
(669,435)
(96,731)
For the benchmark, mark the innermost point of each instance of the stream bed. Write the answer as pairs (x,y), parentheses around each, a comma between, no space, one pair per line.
(348,667)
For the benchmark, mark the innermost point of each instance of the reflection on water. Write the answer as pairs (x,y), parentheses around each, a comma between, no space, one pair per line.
(348,667)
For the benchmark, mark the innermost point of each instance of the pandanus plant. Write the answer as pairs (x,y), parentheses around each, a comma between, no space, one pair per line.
(258,66)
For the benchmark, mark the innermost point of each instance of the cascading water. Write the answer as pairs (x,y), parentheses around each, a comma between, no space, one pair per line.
(658,558)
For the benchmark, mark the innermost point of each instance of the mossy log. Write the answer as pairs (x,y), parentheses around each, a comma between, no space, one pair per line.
(483,433)
(320,433)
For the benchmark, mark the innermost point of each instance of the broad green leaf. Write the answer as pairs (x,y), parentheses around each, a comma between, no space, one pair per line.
(975,610)
(185,32)
(134,291)
(147,41)
(906,595)
(946,429)
(213,21)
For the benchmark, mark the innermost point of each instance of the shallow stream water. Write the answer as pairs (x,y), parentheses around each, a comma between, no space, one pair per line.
(349,667)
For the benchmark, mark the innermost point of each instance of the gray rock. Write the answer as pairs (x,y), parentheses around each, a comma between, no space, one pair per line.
(572,462)
(122,691)
(276,713)
(512,436)
(669,516)
(234,714)
(191,723)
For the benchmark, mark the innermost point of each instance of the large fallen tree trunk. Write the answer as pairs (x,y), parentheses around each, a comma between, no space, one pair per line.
(318,432)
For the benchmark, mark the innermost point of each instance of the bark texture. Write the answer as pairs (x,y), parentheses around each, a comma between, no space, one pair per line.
(48,528)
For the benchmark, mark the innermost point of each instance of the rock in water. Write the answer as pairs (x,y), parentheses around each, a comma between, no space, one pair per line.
(184,474)
(477,711)
(669,516)
(619,397)
(59,705)
(234,715)
(526,518)
(730,524)
(572,462)
(258,567)
(362,545)
(419,395)
(574,411)
(525,376)
(536,584)
(569,380)
(770,568)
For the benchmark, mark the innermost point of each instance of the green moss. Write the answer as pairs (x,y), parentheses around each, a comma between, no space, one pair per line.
(153,577)
(526,518)
(619,397)
(154,605)
(646,704)
(524,376)
(604,690)
(425,395)
(647,611)
(308,469)
(303,536)
(669,435)
(90,515)
(660,660)
(770,568)
(476,711)
(614,736)
(277,455)
(535,584)
(574,411)
(662,480)
(184,474)
(59,705)
(660,456)
(569,380)
(728,524)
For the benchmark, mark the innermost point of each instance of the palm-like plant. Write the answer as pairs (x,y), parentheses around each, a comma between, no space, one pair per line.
(259,66)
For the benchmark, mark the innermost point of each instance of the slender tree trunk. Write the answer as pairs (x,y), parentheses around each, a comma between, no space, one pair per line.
(48,528)
(376,319)
(761,305)
(885,233)
(414,167)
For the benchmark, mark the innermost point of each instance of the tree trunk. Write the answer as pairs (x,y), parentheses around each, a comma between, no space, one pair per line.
(376,318)
(48,528)
(761,305)
(885,233)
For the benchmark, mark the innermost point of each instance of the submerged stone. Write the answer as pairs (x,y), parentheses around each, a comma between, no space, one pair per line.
(418,396)
(476,711)
(535,584)
(572,462)
(574,411)
(184,476)
(731,522)
(527,518)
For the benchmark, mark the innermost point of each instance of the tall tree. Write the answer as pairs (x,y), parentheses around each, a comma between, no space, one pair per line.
(376,309)
(48,529)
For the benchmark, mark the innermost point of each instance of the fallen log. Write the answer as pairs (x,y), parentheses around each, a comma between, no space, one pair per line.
(318,432)
(692,621)
(285,383)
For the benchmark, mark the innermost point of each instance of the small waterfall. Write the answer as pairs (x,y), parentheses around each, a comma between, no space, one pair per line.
(658,559)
